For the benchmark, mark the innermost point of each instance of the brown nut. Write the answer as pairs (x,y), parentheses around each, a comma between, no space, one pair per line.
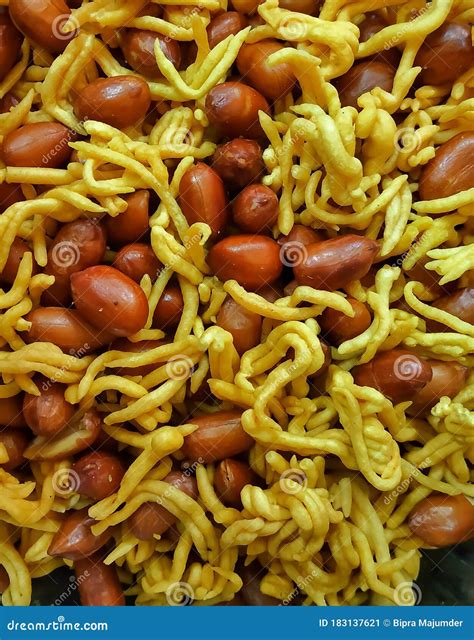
(372,24)
(310,7)
(137,259)
(246,6)
(445,54)
(219,435)
(254,261)
(74,539)
(79,434)
(42,22)
(9,194)
(245,326)
(238,162)
(292,250)
(99,584)
(66,329)
(398,374)
(233,108)
(255,209)
(441,520)
(11,412)
(77,245)
(226,24)
(15,442)
(451,170)
(131,225)
(120,101)
(110,300)
(122,344)
(98,474)
(152,518)
(230,478)
(8,102)
(274,81)
(448,380)
(337,327)
(4,579)
(17,251)
(459,304)
(10,43)
(48,413)
(202,198)
(39,144)
(332,264)
(169,309)
(362,78)
(138,46)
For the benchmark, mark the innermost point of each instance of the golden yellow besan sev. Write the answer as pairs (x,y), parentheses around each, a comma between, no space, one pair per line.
(358,490)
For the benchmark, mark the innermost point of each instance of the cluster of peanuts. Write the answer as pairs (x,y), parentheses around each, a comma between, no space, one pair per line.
(237,303)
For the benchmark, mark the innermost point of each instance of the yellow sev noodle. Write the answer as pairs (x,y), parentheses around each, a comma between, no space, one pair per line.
(360,480)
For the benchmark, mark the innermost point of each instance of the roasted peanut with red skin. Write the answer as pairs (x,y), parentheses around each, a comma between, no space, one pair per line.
(133,223)
(10,43)
(9,194)
(48,413)
(77,245)
(292,244)
(255,209)
(337,327)
(99,584)
(66,329)
(120,101)
(445,54)
(4,579)
(8,102)
(253,261)
(137,259)
(230,478)
(233,108)
(246,6)
(219,435)
(138,46)
(238,162)
(122,344)
(331,264)
(245,326)
(451,170)
(448,380)
(99,474)
(15,442)
(442,520)
(39,144)
(152,518)
(459,304)
(224,25)
(272,81)
(41,22)
(398,374)
(80,433)
(361,78)
(202,198)
(17,251)
(169,309)
(310,7)
(11,412)
(110,299)
(74,539)
(372,24)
